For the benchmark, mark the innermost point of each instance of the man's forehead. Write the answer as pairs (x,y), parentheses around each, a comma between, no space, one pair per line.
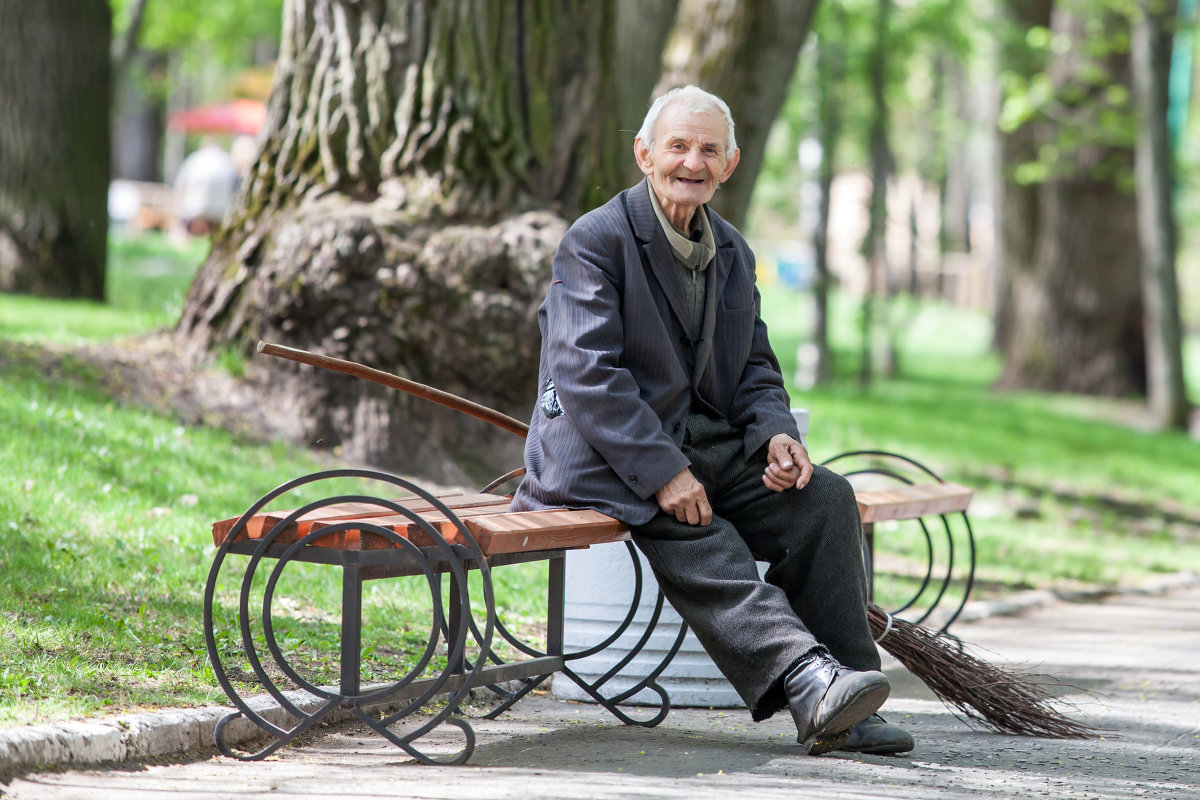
(677,120)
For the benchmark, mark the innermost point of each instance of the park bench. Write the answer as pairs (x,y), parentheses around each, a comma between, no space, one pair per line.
(448,535)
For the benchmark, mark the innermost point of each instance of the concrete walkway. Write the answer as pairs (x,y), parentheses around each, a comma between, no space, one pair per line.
(1137,657)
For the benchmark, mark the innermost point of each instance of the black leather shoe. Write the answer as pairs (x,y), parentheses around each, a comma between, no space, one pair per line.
(827,699)
(875,735)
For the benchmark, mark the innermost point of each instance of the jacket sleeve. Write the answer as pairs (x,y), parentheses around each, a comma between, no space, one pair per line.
(760,403)
(584,339)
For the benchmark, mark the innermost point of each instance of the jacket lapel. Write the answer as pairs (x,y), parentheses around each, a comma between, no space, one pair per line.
(656,250)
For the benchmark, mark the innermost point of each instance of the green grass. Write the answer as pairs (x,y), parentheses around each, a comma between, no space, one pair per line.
(147,279)
(104,529)
(105,541)
(105,509)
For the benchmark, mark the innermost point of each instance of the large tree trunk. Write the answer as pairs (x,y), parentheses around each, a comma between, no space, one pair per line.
(54,146)
(744,51)
(1018,218)
(1077,324)
(1151,53)
(420,164)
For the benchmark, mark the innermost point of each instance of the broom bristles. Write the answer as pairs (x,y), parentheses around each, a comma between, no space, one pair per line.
(976,692)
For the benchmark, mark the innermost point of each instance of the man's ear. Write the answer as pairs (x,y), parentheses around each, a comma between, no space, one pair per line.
(729,165)
(641,151)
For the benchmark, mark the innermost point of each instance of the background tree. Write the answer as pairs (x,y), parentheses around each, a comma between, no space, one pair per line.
(1077,316)
(421,161)
(54,147)
(1016,200)
(745,52)
(1151,52)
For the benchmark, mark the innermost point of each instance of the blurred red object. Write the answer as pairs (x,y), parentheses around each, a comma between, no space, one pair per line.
(233,116)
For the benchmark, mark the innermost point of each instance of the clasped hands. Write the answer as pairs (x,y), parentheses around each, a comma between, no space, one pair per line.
(788,466)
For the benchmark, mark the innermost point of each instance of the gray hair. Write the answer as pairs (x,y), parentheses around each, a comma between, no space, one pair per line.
(698,102)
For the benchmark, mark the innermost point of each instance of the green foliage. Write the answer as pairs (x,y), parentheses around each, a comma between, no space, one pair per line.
(203,29)
(923,39)
(1076,89)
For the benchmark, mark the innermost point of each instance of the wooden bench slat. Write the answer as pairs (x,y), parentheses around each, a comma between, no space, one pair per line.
(544,530)
(258,525)
(402,525)
(913,501)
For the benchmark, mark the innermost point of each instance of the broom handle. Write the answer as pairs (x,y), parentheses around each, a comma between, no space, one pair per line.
(396,382)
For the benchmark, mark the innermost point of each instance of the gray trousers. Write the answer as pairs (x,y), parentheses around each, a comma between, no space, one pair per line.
(815,591)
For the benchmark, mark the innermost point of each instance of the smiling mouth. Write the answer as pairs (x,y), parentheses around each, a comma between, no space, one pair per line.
(690,180)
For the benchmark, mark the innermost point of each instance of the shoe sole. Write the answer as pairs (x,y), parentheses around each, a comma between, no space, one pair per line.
(880,750)
(860,706)
(819,744)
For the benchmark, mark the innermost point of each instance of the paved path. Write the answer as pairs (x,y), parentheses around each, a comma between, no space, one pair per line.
(1138,657)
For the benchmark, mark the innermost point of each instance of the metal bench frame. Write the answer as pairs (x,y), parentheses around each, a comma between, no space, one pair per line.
(454,628)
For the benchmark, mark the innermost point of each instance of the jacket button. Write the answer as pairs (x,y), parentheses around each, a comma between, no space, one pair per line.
(676,428)
(632,478)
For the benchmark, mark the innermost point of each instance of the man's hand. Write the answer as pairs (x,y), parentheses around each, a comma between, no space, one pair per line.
(788,464)
(684,498)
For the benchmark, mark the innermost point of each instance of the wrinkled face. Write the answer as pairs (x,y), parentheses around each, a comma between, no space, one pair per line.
(687,161)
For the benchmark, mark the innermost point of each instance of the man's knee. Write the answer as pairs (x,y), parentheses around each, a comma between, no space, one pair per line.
(833,493)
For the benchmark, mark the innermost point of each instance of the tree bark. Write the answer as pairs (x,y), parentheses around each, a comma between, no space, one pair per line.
(743,51)
(420,163)
(1078,315)
(54,147)
(1151,51)
(1017,214)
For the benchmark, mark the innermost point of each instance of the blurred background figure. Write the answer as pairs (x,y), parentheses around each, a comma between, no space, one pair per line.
(204,189)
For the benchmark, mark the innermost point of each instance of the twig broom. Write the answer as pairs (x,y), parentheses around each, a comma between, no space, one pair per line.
(977,692)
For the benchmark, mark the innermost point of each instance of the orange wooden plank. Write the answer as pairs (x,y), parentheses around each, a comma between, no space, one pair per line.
(912,501)
(484,515)
(544,530)
(352,539)
(259,524)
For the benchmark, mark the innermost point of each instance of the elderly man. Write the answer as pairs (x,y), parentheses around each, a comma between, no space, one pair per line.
(661,403)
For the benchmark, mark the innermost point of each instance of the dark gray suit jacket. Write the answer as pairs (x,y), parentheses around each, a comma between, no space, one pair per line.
(624,372)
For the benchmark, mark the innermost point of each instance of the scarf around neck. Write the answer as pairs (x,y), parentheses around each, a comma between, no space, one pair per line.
(696,255)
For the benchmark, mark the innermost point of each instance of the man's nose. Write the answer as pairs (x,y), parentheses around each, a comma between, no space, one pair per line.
(692,159)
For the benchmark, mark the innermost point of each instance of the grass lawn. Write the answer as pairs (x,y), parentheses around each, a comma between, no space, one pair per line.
(105,509)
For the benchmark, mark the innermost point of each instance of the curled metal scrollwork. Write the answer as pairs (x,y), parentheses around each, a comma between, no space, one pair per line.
(944,540)
(408,692)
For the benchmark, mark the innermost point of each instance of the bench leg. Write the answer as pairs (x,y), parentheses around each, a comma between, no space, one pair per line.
(555,602)
(351,646)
